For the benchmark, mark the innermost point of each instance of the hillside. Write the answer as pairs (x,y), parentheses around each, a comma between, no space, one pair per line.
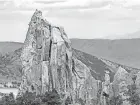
(10,66)
(6,47)
(98,66)
(123,51)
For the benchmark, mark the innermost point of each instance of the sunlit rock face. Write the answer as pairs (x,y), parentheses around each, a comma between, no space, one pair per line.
(48,63)
(138,83)
(85,85)
(46,57)
(120,84)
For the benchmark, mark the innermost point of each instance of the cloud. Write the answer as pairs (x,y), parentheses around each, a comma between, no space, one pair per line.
(115,10)
(77,4)
(102,17)
(50,1)
(98,9)
(53,4)
(67,4)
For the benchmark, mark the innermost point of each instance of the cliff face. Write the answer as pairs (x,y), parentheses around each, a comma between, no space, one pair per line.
(46,57)
(122,80)
(48,62)
(138,83)
(85,86)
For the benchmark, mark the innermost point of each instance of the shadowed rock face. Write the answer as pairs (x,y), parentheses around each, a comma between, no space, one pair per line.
(48,62)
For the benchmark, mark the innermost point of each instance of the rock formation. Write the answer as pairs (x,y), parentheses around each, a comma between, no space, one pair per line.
(105,93)
(46,57)
(48,63)
(85,85)
(138,83)
(121,80)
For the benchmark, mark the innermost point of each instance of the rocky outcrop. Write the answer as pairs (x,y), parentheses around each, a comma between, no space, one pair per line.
(106,90)
(120,84)
(137,82)
(85,85)
(48,63)
(46,57)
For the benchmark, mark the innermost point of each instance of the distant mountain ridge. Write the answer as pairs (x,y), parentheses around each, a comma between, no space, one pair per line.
(132,35)
(123,51)
(6,47)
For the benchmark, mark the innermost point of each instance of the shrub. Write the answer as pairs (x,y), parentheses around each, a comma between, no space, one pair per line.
(81,101)
(29,99)
(8,100)
(68,101)
(50,98)
(116,100)
(26,99)
(134,97)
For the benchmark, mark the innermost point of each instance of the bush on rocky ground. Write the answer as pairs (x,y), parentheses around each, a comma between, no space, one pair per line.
(132,92)
(8,100)
(116,100)
(50,98)
(68,101)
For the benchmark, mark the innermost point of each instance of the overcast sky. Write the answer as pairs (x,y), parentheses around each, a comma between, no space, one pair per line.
(81,18)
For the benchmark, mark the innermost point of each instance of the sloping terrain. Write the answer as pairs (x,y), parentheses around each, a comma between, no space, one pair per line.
(96,65)
(6,47)
(13,69)
(123,51)
(10,66)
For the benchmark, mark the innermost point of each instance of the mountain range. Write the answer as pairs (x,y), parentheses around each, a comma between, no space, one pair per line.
(123,51)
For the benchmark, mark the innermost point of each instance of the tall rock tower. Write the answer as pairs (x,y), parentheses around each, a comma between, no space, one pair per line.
(48,63)
(46,58)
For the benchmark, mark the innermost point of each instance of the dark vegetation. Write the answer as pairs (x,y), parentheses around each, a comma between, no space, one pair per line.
(132,92)
(134,97)
(49,98)
(116,100)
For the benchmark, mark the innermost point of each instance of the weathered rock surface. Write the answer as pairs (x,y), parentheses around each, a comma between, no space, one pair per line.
(46,57)
(85,85)
(120,84)
(138,83)
(48,63)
